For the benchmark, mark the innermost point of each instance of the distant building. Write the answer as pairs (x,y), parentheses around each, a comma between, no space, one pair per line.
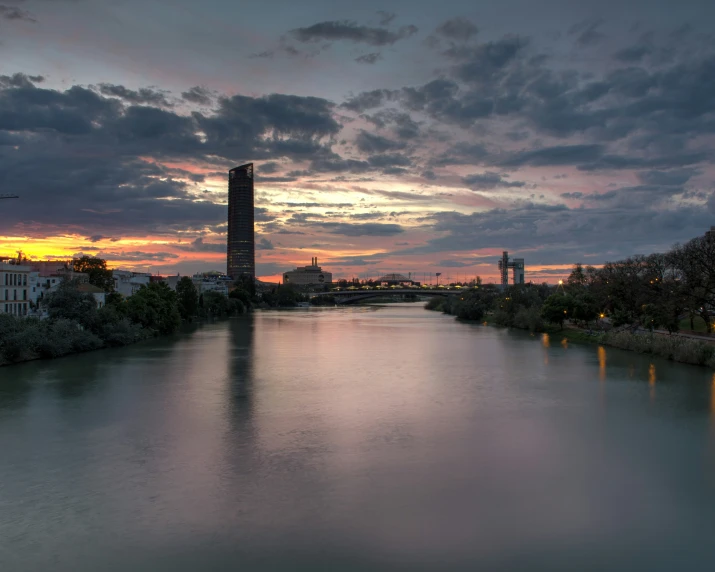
(127,283)
(212,282)
(517,266)
(49,267)
(241,255)
(98,294)
(312,275)
(395,280)
(14,288)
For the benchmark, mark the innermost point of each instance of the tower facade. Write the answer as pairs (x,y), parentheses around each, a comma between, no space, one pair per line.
(516,264)
(241,254)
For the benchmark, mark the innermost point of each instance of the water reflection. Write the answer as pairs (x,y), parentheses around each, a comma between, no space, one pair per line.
(651,380)
(241,372)
(390,436)
(601,363)
(546,343)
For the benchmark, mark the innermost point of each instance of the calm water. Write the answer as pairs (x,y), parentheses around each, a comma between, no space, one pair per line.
(356,439)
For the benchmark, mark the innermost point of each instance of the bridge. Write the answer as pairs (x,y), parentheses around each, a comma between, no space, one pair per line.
(352,296)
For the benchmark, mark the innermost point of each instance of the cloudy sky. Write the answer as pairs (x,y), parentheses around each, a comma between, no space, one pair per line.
(388,136)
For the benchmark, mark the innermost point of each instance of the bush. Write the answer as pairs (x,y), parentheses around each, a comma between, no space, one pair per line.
(529,319)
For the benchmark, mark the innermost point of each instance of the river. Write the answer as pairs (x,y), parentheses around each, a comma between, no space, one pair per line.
(359,438)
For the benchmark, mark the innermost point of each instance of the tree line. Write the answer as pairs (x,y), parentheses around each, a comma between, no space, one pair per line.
(650,292)
(75,323)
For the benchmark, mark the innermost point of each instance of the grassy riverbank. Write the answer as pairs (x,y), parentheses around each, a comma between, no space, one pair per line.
(673,347)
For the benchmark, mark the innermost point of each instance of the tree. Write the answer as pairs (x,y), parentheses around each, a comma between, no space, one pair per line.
(67,302)
(557,308)
(577,279)
(239,293)
(247,283)
(96,269)
(584,308)
(694,266)
(188,298)
(155,307)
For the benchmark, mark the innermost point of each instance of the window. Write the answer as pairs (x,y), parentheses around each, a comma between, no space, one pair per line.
(15,294)
(24,294)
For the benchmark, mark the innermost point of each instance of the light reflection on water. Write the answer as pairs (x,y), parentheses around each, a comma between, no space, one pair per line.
(356,439)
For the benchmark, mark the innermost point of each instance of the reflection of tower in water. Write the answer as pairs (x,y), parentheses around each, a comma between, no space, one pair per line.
(240,390)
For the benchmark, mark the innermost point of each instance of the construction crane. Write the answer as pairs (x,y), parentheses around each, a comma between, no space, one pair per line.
(9,197)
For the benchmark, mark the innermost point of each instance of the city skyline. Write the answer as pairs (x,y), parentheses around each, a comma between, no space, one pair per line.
(386,137)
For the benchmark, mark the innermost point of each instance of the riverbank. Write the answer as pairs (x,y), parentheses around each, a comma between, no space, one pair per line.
(680,349)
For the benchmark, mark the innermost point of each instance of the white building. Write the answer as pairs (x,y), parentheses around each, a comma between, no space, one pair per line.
(97,293)
(14,289)
(127,283)
(212,282)
(312,275)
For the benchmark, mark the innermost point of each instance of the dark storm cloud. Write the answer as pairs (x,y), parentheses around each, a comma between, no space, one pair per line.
(198,245)
(199,95)
(633,54)
(264,244)
(458,29)
(137,256)
(483,62)
(142,96)
(558,155)
(262,214)
(15,13)
(269,167)
(351,31)
(20,80)
(401,124)
(369,58)
(675,177)
(553,233)
(389,160)
(370,143)
(368,100)
(489,180)
(240,120)
(359,229)
(386,18)
(462,153)
(587,33)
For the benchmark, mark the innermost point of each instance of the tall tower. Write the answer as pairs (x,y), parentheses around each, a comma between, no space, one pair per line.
(517,264)
(241,259)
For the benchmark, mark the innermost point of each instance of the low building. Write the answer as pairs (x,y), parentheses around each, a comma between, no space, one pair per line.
(14,288)
(127,283)
(312,275)
(49,267)
(212,282)
(99,295)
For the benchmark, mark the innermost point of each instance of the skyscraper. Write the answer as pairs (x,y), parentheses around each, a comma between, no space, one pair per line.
(241,260)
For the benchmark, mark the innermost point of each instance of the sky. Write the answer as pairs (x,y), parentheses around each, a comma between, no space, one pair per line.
(387,136)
